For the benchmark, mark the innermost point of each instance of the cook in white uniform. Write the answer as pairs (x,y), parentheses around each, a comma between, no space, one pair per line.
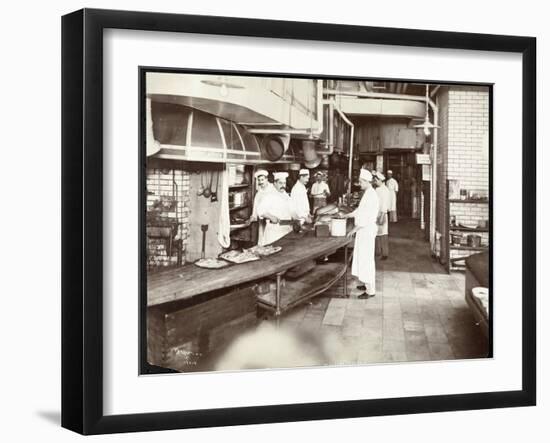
(273,207)
(393,187)
(262,188)
(298,195)
(363,266)
(319,191)
(382,244)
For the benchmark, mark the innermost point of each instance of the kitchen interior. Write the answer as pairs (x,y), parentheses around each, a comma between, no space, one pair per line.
(209,282)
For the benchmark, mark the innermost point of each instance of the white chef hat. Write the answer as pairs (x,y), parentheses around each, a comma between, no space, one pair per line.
(304,172)
(380,176)
(260,172)
(390,171)
(280,175)
(365,175)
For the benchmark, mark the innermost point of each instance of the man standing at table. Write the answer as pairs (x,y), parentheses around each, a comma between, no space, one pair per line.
(382,244)
(319,191)
(393,187)
(363,266)
(275,207)
(262,188)
(298,195)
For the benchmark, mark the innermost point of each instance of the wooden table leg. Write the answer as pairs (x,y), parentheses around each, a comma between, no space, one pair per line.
(278,297)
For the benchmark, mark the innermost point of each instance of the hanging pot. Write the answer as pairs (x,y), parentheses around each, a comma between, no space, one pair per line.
(273,147)
(208,191)
(311,159)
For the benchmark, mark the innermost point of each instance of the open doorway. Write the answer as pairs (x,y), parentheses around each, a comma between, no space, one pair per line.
(409,177)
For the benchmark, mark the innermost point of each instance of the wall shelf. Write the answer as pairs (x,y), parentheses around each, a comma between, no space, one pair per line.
(455,200)
(469,248)
(451,206)
(465,229)
(242,185)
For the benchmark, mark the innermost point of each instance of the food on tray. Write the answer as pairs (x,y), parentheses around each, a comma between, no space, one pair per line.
(238,256)
(324,219)
(211,263)
(264,251)
(330,209)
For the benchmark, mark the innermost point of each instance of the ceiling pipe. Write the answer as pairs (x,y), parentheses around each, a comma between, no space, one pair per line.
(434,90)
(331,144)
(433,187)
(416,98)
(350,160)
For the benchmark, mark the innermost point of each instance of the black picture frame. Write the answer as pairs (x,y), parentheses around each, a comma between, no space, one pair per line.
(82,219)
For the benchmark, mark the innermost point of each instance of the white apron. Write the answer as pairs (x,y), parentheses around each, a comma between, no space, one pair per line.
(384,202)
(393,187)
(300,202)
(260,193)
(279,205)
(273,232)
(363,266)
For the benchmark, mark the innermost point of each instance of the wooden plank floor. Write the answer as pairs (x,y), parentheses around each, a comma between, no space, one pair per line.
(419,314)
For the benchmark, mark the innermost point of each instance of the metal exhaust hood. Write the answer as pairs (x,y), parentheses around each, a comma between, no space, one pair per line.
(184,133)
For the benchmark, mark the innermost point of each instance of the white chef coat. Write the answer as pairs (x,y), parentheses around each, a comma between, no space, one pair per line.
(318,194)
(384,202)
(300,202)
(260,193)
(317,189)
(393,187)
(279,205)
(363,266)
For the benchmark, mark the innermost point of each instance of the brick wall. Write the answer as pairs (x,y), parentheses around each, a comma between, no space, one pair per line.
(167,206)
(468,126)
(463,154)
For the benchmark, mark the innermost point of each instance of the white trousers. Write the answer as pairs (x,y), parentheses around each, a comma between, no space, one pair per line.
(363,266)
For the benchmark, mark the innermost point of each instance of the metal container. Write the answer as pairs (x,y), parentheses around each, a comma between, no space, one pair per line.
(239,198)
(338,227)
(456,238)
(474,240)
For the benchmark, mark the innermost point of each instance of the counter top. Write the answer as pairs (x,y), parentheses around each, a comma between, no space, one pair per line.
(190,280)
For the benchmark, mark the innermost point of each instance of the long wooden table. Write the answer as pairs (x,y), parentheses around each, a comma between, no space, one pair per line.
(190,280)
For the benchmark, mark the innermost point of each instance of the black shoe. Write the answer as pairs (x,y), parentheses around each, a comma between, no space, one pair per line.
(362,287)
(365,296)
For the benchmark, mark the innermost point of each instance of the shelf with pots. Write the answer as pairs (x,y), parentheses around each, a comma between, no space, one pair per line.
(464,239)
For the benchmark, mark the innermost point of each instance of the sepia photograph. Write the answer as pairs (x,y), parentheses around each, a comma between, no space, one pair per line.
(297,222)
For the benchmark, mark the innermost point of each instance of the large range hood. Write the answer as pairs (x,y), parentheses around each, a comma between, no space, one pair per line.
(182,133)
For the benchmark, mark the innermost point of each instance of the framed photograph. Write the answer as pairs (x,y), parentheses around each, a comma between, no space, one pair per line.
(270,221)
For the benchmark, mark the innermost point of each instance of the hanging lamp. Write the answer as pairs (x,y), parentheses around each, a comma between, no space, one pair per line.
(426,125)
